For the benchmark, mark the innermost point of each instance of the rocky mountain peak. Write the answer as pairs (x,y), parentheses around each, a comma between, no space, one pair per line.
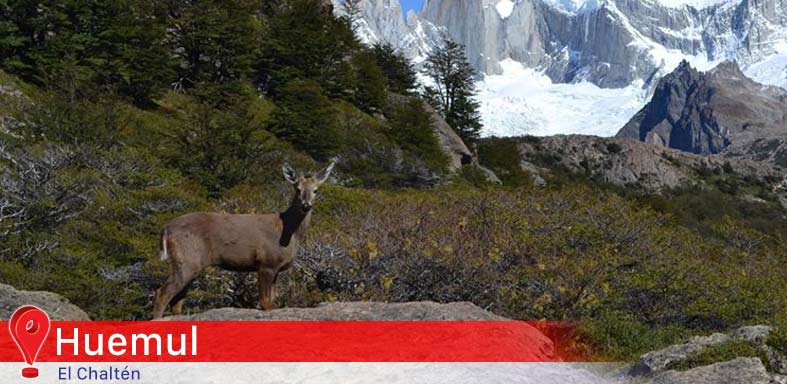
(719,111)
(608,42)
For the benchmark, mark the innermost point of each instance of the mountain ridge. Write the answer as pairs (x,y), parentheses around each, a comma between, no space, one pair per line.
(720,111)
(618,47)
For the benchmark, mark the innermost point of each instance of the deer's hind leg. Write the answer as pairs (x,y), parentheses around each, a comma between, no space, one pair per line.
(266,278)
(177,283)
(175,288)
(165,293)
(180,299)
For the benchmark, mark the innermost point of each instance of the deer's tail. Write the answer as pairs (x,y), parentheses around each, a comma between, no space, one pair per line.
(164,254)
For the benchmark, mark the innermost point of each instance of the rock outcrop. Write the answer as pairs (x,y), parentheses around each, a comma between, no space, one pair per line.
(542,347)
(56,306)
(657,367)
(636,164)
(741,370)
(717,112)
(657,361)
(424,310)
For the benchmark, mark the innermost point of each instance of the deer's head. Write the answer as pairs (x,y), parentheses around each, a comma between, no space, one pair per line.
(306,187)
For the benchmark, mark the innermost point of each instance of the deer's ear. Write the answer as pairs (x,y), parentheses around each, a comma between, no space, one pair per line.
(322,176)
(289,173)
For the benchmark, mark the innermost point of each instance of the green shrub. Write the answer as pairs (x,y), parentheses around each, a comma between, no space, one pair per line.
(370,90)
(502,156)
(411,128)
(399,72)
(306,118)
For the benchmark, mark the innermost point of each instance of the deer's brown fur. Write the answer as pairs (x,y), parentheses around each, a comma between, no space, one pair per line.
(264,243)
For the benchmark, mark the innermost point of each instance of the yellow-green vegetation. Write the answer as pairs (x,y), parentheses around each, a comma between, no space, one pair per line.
(778,337)
(637,274)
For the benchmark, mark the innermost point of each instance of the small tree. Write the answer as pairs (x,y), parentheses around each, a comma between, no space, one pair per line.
(399,72)
(306,118)
(453,89)
(214,41)
(352,11)
(318,51)
(411,128)
(370,82)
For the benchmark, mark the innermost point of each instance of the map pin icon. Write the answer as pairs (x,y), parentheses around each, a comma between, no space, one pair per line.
(29,326)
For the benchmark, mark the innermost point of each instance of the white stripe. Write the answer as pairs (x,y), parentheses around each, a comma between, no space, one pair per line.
(164,253)
(308,373)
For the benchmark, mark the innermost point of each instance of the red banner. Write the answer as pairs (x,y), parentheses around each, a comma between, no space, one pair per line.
(291,341)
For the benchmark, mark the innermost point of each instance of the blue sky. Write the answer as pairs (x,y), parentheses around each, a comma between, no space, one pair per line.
(411,4)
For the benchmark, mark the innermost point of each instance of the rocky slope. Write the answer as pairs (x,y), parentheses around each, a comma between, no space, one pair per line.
(56,306)
(717,112)
(635,164)
(659,367)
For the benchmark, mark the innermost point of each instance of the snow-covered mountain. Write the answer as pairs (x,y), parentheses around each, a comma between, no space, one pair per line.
(584,66)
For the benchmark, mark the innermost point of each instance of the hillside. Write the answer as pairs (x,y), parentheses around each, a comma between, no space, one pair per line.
(112,125)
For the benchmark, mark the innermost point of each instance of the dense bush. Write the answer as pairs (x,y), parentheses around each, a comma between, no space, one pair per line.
(632,276)
(411,128)
(78,46)
(306,118)
(318,52)
(214,42)
(370,90)
(502,156)
(399,72)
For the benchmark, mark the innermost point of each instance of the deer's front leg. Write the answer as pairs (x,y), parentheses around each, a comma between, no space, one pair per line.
(266,278)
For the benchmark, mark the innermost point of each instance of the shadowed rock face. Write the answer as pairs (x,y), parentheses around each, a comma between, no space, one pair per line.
(56,306)
(450,142)
(717,112)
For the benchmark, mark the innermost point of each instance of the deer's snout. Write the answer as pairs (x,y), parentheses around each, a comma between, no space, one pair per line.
(307,207)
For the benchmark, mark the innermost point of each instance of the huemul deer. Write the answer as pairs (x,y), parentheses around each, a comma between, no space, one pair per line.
(266,243)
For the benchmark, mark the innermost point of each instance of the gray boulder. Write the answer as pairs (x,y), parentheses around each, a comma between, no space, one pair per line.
(657,361)
(654,364)
(534,341)
(739,371)
(56,306)
(422,310)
